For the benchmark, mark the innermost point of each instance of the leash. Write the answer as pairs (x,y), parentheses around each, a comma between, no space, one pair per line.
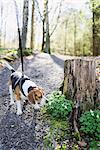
(21,52)
(20,40)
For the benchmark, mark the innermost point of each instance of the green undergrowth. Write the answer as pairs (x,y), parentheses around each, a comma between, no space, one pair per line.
(56,113)
(8,55)
(1,51)
(57,134)
(94,145)
(26,52)
(90,126)
(4,52)
(58,106)
(90,123)
(11,55)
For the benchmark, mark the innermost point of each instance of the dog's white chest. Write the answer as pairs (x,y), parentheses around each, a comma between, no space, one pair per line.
(26,85)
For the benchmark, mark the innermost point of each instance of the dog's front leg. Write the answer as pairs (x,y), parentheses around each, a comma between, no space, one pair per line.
(11,95)
(18,101)
(19,108)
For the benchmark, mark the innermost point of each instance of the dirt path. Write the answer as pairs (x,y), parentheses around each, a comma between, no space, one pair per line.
(25,132)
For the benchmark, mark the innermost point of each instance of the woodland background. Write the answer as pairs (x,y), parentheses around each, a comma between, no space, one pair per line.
(62,26)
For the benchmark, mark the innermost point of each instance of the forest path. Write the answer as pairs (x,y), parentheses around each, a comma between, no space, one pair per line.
(26,131)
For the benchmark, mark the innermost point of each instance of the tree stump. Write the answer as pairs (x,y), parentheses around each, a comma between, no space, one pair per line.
(82,80)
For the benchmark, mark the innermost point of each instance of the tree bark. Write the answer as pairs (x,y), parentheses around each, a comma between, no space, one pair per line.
(46,36)
(81,82)
(25,23)
(47,47)
(65,40)
(43,36)
(96,29)
(75,34)
(1,14)
(93,30)
(32,27)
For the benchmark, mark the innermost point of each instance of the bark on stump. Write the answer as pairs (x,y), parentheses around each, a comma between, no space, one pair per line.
(82,80)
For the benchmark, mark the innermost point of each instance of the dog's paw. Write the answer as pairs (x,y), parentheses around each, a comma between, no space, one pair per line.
(19,112)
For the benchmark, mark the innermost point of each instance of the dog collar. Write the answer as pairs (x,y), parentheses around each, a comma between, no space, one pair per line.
(31,88)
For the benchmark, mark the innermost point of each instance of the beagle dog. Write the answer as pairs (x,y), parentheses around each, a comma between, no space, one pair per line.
(22,88)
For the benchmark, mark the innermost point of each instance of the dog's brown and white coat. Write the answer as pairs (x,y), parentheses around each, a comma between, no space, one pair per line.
(22,88)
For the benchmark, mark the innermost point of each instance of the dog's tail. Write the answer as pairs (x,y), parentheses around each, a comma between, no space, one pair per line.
(7,65)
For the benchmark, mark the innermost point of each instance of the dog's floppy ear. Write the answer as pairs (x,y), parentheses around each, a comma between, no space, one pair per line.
(31,97)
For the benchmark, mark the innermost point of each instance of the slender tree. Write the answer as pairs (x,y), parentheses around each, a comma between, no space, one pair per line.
(25,23)
(43,35)
(1,22)
(46,26)
(5,26)
(32,26)
(97,31)
(74,33)
(96,27)
(18,26)
(65,40)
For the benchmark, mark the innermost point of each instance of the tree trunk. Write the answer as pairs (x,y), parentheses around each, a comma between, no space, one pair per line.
(43,36)
(1,14)
(32,27)
(25,23)
(96,29)
(81,81)
(5,35)
(65,41)
(75,34)
(46,36)
(93,31)
(47,47)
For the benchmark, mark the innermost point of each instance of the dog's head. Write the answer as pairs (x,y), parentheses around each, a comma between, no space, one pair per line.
(35,96)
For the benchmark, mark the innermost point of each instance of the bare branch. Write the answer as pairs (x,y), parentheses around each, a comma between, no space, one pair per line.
(54,12)
(57,18)
(1,21)
(50,7)
(16,9)
(41,17)
(18,26)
